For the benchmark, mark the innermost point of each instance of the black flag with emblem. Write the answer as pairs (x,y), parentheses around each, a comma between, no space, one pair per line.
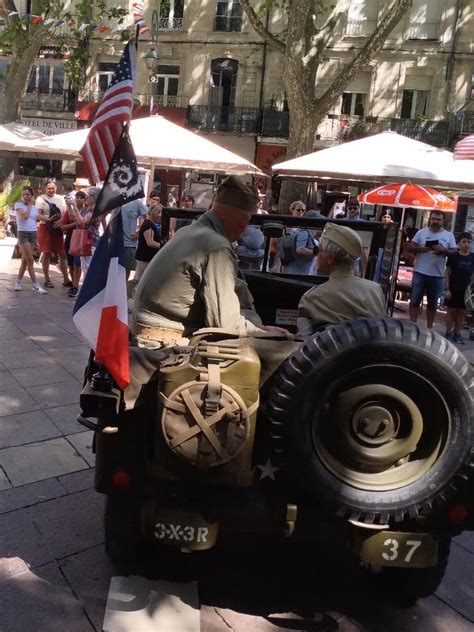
(123,183)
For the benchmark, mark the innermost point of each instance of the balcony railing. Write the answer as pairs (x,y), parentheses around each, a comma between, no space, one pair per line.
(170,24)
(360,28)
(51,101)
(345,127)
(164,100)
(423,30)
(465,122)
(224,119)
(275,124)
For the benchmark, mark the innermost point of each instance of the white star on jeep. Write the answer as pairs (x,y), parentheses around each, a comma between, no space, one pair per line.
(267,470)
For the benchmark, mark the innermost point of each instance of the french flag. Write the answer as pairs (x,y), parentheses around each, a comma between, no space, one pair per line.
(100,312)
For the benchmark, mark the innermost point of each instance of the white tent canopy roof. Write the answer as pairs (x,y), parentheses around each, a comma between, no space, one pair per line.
(14,134)
(158,141)
(385,157)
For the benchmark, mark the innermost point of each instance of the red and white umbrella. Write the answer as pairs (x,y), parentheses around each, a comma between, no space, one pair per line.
(412,195)
(464,150)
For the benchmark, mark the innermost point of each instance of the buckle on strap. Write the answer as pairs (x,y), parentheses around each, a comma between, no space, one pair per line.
(213,391)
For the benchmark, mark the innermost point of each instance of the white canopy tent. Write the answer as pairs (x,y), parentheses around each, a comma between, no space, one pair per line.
(13,135)
(385,157)
(157,143)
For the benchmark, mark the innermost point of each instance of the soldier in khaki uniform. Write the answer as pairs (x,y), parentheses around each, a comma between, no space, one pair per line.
(190,283)
(344,296)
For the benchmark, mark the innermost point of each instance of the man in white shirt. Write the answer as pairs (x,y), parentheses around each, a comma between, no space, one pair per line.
(431,246)
(50,237)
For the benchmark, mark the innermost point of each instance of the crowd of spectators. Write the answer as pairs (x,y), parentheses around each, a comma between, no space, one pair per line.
(442,268)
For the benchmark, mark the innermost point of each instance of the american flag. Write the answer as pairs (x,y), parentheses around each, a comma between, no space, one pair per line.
(114,110)
(138,16)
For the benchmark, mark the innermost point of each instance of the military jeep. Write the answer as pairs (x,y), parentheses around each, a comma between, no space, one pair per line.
(361,437)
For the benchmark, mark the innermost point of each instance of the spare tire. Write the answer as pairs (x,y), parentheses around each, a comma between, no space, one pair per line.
(374,417)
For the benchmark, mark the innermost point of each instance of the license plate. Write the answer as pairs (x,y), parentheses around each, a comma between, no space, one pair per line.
(184,529)
(392,548)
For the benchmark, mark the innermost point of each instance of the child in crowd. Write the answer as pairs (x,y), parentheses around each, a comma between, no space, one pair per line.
(459,269)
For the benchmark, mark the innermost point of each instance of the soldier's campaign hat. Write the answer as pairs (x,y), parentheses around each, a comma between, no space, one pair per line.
(233,191)
(344,237)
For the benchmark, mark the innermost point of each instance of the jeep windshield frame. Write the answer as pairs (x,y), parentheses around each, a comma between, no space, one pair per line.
(389,238)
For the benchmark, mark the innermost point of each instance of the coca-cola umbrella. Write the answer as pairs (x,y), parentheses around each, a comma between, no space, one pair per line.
(412,195)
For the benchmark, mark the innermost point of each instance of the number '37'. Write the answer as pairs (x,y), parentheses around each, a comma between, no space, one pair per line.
(392,553)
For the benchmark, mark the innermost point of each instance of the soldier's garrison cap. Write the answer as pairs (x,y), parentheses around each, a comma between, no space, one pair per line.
(344,237)
(233,191)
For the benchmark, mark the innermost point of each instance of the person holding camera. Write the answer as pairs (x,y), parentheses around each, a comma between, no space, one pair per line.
(431,246)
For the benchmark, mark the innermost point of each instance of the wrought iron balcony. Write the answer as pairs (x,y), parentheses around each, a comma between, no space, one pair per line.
(164,100)
(275,124)
(346,127)
(464,122)
(224,119)
(360,28)
(52,100)
(170,24)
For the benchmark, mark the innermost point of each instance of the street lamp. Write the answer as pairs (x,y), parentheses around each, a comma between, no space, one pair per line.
(151,59)
(151,62)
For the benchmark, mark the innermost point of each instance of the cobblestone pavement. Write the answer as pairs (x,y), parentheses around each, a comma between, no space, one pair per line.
(53,572)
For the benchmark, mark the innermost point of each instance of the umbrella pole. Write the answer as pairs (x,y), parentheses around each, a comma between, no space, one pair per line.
(151,179)
(398,257)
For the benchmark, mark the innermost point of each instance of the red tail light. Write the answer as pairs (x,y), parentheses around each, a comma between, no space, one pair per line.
(457,514)
(121,479)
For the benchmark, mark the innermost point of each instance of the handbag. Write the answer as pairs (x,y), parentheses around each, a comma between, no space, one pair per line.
(54,211)
(81,243)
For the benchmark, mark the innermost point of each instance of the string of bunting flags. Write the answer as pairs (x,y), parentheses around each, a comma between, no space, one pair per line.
(138,14)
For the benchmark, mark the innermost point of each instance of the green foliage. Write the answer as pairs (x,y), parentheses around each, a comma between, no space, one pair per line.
(15,192)
(73,44)
(3,204)
(8,197)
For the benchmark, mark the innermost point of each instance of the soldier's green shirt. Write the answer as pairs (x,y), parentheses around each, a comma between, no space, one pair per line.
(190,283)
(343,297)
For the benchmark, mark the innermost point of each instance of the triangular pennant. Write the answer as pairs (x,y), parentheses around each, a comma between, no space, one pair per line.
(104,29)
(36,19)
(83,27)
(48,21)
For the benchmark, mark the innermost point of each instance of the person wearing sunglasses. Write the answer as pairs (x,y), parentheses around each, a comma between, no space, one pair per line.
(297,248)
(353,210)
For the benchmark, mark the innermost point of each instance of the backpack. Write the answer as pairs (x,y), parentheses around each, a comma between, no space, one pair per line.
(54,211)
(287,247)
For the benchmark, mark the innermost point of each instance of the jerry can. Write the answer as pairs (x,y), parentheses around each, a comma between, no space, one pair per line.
(207,412)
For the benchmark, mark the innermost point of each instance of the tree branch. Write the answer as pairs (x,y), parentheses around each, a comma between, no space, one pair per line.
(371,48)
(260,28)
(320,41)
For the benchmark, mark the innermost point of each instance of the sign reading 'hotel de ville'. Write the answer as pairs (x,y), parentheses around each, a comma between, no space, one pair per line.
(50,126)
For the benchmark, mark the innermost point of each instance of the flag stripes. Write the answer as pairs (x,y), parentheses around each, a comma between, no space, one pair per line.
(114,110)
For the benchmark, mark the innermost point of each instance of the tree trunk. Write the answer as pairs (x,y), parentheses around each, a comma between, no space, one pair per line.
(21,60)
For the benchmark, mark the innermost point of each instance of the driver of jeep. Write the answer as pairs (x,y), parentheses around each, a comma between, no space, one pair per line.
(190,283)
(344,296)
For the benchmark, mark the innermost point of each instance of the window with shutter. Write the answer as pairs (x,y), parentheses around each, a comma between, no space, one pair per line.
(425,18)
(362,18)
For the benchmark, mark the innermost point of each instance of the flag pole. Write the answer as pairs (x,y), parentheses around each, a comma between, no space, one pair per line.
(109,171)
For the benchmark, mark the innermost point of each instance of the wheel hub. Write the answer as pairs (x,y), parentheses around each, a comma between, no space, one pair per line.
(374,424)
(374,436)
